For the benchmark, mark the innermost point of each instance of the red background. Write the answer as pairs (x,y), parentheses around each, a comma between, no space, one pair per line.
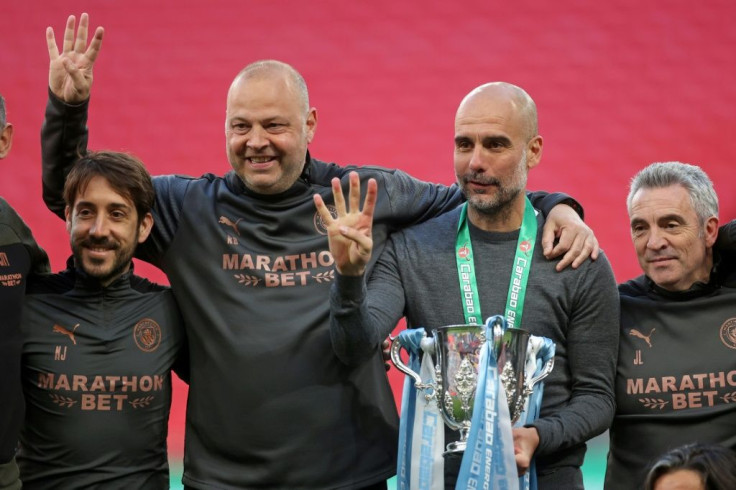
(618,84)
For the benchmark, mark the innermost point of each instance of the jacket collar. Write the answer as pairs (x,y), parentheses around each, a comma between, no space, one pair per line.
(83,281)
(696,290)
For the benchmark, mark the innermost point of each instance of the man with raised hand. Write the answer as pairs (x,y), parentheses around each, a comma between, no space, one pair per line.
(270,405)
(100,343)
(426,273)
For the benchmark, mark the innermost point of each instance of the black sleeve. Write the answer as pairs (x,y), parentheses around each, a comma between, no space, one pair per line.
(181,365)
(64,137)
(545,201)
(414,201)
(727,236)
(725,253)
(19,256)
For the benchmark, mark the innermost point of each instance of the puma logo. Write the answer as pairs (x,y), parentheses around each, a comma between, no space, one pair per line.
(646,338)
(68,333)
(225,221)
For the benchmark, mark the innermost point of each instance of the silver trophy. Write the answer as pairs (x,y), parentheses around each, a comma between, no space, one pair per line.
(516,365)
(455,350)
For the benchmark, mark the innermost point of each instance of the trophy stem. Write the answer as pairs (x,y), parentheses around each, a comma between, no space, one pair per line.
(459,446)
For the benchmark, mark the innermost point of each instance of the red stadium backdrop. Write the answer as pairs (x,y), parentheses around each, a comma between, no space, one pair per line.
(618,84)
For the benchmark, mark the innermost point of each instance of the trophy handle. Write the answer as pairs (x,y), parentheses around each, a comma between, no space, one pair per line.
(396,359)
(545,372)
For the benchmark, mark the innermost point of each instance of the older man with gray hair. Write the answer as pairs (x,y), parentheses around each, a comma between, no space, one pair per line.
(19,255)
(675,377)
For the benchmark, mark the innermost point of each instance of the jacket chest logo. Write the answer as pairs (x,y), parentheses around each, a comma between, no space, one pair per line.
(64,331)
(147,335)
(728,333)
(319,225)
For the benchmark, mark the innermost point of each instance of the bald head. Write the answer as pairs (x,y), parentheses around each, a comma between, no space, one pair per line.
(268,126)
(276,71)
(483,99)
(496,144)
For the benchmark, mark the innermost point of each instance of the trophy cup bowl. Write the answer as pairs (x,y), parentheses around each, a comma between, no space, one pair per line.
(456,353)
(512,360)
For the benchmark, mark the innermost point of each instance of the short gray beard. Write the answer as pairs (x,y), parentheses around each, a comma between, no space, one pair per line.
(496,208)
(500,207)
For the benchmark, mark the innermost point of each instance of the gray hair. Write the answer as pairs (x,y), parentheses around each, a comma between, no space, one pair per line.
(664,174)
(2,113)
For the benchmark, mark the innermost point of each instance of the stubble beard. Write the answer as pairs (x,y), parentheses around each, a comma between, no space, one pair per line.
(121,260)
(496,207)
(500,205)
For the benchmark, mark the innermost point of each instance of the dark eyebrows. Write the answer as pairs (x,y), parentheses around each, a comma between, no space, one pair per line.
(489,141)
(111,206)
(637,221)
(661,219)
(461,139)
(268,120)
(671,217)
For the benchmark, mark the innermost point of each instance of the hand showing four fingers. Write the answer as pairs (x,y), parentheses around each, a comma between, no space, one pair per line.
(70,71)
(350,231)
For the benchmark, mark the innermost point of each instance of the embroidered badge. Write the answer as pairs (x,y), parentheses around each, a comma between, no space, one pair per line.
(319,224)
(728,333)
(147,335)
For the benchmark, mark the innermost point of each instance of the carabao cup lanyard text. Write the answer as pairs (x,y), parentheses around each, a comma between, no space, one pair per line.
(519,275)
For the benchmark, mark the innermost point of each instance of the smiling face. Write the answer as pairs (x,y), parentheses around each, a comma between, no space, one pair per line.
(267,130)
(494,149)
(674,248)
(104,230)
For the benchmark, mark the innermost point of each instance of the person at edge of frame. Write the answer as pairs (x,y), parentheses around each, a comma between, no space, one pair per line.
(20,256)
(678,324)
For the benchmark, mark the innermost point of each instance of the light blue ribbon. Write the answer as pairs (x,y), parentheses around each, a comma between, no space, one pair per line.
(410,340)
(534,405)
(489,460)
(421,429)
